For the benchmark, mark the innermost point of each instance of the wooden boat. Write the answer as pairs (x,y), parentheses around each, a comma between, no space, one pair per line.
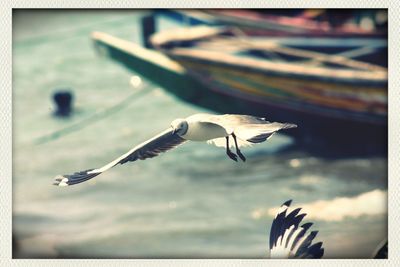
(337,101)
(335,98)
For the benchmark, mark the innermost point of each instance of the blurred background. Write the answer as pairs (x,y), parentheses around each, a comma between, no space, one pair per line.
(88,85)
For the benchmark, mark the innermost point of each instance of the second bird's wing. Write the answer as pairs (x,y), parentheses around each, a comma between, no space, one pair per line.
(151,148)
(288,239)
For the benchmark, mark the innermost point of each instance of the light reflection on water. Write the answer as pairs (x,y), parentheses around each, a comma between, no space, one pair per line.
(190,202)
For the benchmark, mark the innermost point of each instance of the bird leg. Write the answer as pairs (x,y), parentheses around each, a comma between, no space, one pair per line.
(228,151)
(241,156)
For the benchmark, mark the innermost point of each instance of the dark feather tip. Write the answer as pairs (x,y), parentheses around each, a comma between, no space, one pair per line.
(287,203)
(307,226)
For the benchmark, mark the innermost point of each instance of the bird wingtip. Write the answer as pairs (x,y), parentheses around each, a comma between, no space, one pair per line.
(60,180)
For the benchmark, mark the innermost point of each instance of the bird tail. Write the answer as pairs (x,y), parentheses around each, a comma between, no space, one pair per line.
(288,126)
(76,178)
(258,133)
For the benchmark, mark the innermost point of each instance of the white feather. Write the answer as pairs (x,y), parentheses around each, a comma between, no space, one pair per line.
(221,142)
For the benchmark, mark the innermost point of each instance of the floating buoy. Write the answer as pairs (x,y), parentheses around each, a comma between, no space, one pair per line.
(63,100)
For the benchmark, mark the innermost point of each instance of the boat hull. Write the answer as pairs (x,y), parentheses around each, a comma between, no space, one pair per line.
(315,132)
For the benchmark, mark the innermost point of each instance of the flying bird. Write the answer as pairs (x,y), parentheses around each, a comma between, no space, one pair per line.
(218,129)
(288,239)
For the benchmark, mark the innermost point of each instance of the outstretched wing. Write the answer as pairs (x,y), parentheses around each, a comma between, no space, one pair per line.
(289,240)
(248,129)
(151,148)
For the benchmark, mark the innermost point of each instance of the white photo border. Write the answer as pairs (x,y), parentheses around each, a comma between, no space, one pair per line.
(6,127)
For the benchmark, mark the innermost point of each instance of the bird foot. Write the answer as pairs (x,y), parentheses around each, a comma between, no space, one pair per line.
(233,156)
(241,156)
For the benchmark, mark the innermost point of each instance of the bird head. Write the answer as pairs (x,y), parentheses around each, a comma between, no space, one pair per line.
(180,126)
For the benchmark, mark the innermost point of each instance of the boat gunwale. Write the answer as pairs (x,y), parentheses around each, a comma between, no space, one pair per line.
(339,76)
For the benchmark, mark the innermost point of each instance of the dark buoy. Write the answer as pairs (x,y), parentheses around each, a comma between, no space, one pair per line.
(63,100)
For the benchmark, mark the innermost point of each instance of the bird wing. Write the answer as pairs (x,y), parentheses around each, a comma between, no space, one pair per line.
(289,240)
(231,121)
(248,129)
(151,148)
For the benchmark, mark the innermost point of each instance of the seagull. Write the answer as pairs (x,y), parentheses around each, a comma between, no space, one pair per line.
(289,240)
(217,129)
